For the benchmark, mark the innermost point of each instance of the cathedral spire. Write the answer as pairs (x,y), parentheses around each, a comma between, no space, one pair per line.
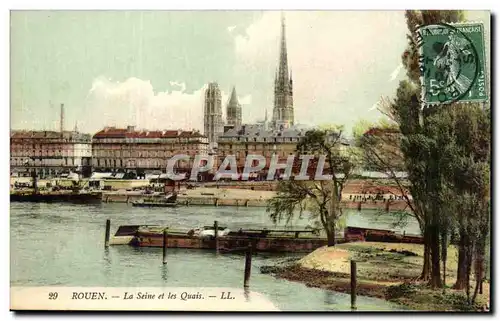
(283,65)
(233,109)
(283,114)
(234,97)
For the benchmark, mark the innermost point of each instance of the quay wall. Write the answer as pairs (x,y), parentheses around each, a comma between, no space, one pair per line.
(184,200)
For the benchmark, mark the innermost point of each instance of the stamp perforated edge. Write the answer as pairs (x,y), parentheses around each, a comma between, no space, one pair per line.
(423,91)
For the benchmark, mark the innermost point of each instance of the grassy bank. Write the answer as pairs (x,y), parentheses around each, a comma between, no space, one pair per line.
(385,270)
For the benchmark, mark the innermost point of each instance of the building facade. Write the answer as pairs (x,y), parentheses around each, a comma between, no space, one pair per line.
(213,124)
(233,110)
(50,153)
(283,113)
(268,142)
(258,140)
(141,152)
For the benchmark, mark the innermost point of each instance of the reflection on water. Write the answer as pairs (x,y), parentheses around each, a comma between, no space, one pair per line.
(61,244)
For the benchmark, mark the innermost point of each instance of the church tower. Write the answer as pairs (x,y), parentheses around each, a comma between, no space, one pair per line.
(213,113)
(283,116)
(234,110)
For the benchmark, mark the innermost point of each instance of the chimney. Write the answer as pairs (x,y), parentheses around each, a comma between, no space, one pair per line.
(62,118)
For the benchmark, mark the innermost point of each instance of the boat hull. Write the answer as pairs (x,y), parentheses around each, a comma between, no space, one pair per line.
(82,198)
(140,204)
(231,243)
(234,242)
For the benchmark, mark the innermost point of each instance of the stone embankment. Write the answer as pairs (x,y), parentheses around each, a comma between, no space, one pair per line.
(237,197)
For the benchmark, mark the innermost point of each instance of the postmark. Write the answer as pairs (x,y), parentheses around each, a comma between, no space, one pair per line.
(452,63)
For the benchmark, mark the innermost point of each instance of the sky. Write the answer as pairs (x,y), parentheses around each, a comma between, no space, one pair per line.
(150,68)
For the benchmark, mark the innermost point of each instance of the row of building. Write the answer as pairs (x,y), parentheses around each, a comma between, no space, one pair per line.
(131,152)
(127,150)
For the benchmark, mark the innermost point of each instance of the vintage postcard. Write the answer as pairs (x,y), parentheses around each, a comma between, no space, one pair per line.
(250,161)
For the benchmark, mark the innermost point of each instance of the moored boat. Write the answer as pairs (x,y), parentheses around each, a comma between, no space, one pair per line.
(54,197)
(169,201)
(261,240)
(153,204)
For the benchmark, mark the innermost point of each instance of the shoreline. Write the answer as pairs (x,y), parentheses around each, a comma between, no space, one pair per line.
(239,197)
(385,271)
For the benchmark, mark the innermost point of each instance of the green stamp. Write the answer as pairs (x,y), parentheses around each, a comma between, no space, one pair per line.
(452,63)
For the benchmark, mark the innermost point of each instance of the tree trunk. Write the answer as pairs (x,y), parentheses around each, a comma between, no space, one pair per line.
(426,269)
(469,265)
(444,250)
(461,281)
(478,269)
(435,281)
(330,234)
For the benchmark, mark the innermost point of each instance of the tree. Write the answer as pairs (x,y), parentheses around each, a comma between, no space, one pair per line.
(467,160)
(321,198)
(421,143)
(381,151)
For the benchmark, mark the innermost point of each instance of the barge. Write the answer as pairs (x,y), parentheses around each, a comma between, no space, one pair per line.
(55,197)
(261,240)
(168,201)
(76,194)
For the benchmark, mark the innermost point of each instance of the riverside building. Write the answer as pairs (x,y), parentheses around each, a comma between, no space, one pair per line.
(50,153)
(140,152)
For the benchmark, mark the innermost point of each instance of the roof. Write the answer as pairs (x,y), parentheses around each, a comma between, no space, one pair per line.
(259,131)
(113,132)
(49,134)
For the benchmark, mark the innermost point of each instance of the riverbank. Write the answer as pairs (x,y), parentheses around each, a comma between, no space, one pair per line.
(385,270)
(210,196)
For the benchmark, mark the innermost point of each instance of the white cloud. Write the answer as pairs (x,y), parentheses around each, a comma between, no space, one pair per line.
(134,102)
(231,28)
(335,56)
(178,84)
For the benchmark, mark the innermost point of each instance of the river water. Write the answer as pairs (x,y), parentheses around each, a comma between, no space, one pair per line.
(63,245)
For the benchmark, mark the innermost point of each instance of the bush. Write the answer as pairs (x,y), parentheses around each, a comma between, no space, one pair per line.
(401,290)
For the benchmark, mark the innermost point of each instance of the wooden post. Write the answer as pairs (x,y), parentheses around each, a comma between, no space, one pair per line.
(248,265)
(353,285)
(216,236)
(165,245)
(106,236)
